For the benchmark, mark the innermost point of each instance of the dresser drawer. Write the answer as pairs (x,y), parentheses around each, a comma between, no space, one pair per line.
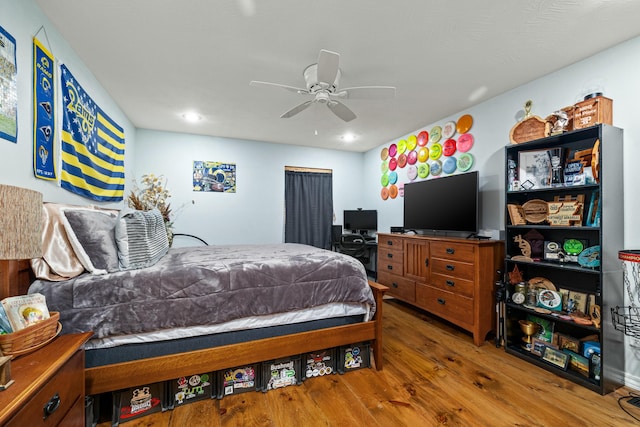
(400,287)
(64,390)
(461,270)
(454,251)
(388,254)
(387,241)
(455,308)
(453,284)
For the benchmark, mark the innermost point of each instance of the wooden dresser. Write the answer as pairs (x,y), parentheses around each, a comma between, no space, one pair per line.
(49,386)
(452,278)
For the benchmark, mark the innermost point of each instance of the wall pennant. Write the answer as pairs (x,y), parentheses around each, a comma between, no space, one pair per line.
(43,112)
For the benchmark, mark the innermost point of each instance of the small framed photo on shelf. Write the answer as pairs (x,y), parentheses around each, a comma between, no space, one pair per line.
(534,169)
(578,301)
(556,357)
(578,363)
(538,345)
(566,342)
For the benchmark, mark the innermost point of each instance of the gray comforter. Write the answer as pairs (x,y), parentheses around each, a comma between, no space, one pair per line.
(206,285)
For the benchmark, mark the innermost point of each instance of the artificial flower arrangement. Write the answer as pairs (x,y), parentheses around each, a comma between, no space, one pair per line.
(153,194)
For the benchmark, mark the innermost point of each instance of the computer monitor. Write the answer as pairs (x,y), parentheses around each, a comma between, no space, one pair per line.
(360,220)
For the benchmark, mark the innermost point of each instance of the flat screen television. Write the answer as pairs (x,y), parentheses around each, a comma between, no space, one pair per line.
(443,204)
(361,220)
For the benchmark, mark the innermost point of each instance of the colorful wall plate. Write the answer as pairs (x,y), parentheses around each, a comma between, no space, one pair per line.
(435,167)
(393,177)
(423,138)
(423,170)
(412,172)
(393,164)
(590,257)
(449,165)
(412,157)
(449,147)
(402,146)
(402,160)
(435,134)
(465,162)
(449,129)
(465,142)
(464,123)
(393,191)
(384,166)
(384,153)
(384,180)
(412,141)
(435,152)
(423,154)
(384,193)
(393,150)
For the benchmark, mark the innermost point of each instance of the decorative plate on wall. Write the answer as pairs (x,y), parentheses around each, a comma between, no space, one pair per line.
(423,138)
(464,123)
(393,150)
(465,142)
(384,193)
(449,129)
(412,157)
(402,146)
(393,177)
(393,191)
(435,134)
(423,154)
(449,165)
(449,147)
(465,162)
(423,170)
(384,180)
(412,141)
(435,151)
(412,172)
(402,160)
(384,167)
(393,164)
(384,153)
(435,167)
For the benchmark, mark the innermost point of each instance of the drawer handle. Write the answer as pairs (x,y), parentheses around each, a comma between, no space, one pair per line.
(451,251)
(426,262)
(52,405)
(390,242)
(389,255)
(394,284)
(389,267)
(451,283)
(441,301)
(450,267)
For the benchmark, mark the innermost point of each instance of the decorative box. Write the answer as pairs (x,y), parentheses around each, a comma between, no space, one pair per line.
(354,356)
(281,373)
(593,111)
(238,380)
(319,363)
(190,389)
(135,402)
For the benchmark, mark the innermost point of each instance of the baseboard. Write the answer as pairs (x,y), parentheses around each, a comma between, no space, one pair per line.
(632,381)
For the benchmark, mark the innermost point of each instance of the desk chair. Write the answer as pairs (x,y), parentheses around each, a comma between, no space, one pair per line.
(354,245)
(336,236)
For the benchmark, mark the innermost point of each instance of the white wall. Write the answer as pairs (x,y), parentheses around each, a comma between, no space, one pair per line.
(22,19)
(615,71)
(254,214)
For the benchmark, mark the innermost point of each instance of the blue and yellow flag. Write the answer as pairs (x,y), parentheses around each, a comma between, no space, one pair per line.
(92,146)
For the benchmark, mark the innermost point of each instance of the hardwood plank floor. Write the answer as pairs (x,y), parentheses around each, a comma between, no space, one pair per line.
(433,376)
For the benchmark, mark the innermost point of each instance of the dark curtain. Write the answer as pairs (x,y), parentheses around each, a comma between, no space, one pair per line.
(308,208)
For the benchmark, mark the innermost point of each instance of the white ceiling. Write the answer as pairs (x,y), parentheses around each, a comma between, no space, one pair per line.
(161,58)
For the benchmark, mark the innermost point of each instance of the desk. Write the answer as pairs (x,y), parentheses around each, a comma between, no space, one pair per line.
(372,266)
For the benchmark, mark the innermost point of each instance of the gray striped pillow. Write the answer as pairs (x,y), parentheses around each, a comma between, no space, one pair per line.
(141,237)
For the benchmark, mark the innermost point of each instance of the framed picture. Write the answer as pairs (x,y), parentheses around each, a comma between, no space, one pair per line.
(578,301)
(537,346)
(578,363)
(534,169)
(555,357)
(545,330)
(566,342)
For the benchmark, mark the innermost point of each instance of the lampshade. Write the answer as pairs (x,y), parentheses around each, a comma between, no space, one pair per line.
(20,223)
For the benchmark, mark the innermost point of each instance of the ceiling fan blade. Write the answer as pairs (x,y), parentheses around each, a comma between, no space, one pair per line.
(295,110)
(367,92)
(289,88)
(328,63)
(341,110)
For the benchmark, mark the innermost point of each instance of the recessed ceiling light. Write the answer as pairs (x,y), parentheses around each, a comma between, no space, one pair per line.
(192,117)
(348,137)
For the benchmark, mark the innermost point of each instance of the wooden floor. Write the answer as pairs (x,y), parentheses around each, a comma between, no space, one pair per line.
(433,376)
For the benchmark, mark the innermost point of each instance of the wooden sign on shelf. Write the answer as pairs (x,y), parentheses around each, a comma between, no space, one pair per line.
(516,214)
(529,128)
(566,211)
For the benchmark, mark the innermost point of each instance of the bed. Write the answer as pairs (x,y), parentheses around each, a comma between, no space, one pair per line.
(185,322)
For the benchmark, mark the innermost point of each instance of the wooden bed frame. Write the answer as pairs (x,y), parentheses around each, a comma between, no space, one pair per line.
(16,276)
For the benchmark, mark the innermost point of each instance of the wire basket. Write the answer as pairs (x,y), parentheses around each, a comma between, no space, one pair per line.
(32,337)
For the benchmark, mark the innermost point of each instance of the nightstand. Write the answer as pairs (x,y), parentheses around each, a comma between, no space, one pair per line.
(49,385)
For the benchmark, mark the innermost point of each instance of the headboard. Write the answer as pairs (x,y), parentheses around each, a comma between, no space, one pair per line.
(15,277)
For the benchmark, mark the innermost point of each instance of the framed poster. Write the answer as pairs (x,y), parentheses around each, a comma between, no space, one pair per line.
(219,177)
(8,87)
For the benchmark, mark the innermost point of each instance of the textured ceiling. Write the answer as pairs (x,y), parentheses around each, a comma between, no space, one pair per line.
(161,58)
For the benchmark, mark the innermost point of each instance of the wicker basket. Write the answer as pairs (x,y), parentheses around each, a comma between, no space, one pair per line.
(31,338)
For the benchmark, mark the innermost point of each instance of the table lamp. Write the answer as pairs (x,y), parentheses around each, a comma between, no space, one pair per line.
(20,238)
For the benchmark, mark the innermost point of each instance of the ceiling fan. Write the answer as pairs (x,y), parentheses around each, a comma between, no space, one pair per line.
(322,83)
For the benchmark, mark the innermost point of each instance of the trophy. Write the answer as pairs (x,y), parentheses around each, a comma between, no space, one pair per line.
(528,328)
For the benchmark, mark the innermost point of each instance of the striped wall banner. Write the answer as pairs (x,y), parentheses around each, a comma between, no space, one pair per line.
(92,146)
